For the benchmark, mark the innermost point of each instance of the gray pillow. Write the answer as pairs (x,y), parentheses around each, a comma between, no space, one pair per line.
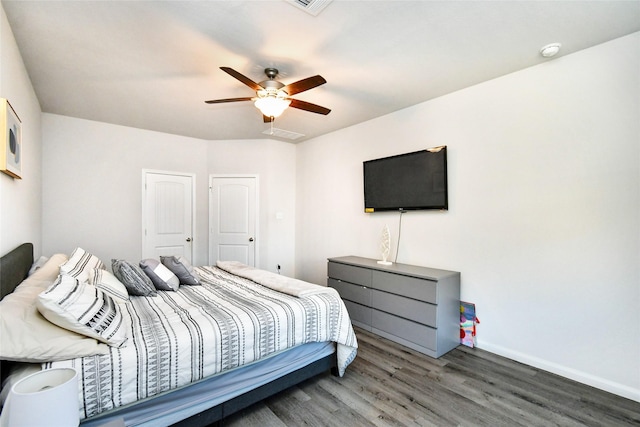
(133,278)
(163,278)
(181,268)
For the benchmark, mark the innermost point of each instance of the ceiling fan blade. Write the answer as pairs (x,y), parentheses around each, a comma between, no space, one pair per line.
(219,101)
(307,106)
(304,84)
(244,79)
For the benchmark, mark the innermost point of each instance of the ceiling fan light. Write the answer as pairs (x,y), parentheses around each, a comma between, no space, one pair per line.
(272,106)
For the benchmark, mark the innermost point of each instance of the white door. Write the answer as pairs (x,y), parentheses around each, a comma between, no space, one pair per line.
(233,207)
(167,215)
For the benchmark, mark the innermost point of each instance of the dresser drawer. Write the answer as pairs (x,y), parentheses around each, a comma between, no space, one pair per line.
(348,291)
(358,313)
(406,329)
(420,289)
(411,309)
(350,273)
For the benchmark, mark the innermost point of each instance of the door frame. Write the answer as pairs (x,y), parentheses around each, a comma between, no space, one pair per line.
(257,204)
(143,199)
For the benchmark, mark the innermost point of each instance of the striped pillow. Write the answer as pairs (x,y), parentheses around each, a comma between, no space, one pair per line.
(83,308)
(80,264)
(133,278)
(109,284)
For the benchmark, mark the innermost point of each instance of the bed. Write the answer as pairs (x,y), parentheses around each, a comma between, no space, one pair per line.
(279,339)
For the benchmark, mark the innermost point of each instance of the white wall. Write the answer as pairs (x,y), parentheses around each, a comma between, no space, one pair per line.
(274,163)
(92,188)
(20,199)
(544,208)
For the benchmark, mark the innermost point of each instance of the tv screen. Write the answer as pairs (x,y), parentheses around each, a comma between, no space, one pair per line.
(408,181)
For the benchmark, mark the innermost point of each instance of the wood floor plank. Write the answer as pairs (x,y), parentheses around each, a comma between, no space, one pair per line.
(391,385)
(512,394)
(294,412)
(384,398)
(259,415)
(543,394)
(375,415)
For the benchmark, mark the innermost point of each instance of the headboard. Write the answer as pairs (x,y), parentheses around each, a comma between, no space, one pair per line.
(14,268)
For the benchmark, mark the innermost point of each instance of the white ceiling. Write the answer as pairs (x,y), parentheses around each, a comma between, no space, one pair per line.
(151,64)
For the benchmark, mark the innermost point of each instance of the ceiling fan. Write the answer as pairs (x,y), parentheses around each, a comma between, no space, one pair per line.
(273,97)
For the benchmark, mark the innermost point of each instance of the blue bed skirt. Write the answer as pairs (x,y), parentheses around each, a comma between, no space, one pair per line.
(177,405)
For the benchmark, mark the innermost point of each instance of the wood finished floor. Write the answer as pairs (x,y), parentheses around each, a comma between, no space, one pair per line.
(391,385)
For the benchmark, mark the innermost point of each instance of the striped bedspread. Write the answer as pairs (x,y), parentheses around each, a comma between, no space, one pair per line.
(177,338)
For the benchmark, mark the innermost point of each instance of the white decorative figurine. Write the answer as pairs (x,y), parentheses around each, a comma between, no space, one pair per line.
(385,245)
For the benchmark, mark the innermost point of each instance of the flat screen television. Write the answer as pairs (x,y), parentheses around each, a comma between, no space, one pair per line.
(410,181)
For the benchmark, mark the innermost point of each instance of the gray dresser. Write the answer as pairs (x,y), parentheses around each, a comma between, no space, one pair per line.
(418,307)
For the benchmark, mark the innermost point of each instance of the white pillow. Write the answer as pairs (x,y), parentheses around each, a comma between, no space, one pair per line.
(26,336)
(109,284)
(80,264)
(38,264)
(83,308)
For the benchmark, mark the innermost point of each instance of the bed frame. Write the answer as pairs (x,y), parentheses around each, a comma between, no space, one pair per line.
(14,268)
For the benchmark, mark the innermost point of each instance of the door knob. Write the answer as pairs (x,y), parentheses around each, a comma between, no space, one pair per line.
(251,239)
(188,239)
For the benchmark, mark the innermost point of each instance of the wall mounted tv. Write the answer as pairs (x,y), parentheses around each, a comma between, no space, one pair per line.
(410,181)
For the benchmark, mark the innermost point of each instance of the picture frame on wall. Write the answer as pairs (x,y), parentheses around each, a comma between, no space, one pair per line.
(11,146)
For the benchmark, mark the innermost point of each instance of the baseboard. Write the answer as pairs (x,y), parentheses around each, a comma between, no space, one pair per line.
(573,374)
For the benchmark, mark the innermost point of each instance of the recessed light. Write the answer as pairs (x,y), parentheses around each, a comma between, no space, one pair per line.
(550,50)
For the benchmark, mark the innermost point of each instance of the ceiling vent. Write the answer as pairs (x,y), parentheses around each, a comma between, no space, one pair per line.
(281,133)
(312,7)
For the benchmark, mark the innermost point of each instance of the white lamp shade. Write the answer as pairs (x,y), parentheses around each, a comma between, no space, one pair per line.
(46,398)
(272,106)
